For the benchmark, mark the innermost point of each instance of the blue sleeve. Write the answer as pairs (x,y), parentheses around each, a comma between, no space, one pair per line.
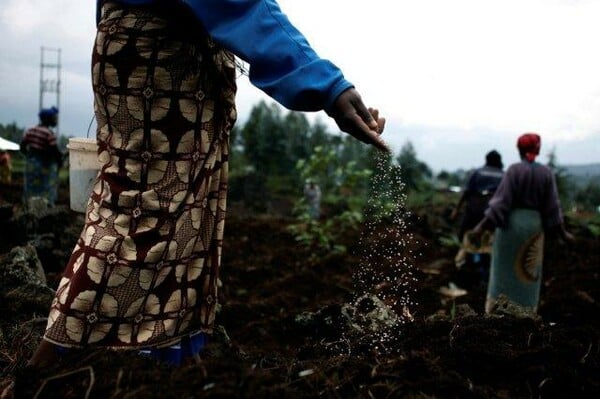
(282,62)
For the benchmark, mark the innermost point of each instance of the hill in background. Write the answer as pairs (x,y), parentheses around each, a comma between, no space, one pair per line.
(583,174)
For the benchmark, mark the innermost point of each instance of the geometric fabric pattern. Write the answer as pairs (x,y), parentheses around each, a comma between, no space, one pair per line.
(145,268)
(530,258)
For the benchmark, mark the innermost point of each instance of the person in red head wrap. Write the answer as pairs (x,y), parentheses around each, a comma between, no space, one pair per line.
(524,207)
(529,146)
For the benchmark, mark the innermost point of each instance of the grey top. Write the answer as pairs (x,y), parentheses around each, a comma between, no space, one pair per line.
(530,186)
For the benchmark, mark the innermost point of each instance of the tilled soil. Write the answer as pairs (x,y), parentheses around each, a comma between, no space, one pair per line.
(263,349)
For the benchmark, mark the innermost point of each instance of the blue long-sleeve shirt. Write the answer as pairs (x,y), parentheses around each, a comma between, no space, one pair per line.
(282,62)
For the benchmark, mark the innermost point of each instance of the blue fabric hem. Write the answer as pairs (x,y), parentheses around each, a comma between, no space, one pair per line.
(175,355)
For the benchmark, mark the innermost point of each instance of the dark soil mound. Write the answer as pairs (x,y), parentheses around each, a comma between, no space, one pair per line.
(284,331)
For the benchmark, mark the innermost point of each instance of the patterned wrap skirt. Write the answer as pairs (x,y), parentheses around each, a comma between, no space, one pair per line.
(517,258)
(144,271)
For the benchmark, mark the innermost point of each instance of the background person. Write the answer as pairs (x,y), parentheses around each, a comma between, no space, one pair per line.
(525,205)
(483,182)
(5,167)
(312,193)
(480,187)
(42,158)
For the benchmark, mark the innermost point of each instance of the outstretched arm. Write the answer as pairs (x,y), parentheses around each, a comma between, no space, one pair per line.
(285,66)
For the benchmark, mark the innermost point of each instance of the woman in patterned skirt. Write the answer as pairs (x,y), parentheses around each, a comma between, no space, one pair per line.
(524,206)
(144,272)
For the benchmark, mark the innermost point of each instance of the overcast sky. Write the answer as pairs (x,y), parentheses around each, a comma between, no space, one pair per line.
(456,78)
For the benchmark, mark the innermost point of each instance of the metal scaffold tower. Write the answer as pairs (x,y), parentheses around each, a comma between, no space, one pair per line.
(50,76)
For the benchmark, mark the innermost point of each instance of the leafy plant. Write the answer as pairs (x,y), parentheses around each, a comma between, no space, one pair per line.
(593,226)
(322,236)
(344,187)
(449,241)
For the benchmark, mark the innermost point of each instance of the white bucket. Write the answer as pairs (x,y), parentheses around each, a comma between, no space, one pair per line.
(83,170)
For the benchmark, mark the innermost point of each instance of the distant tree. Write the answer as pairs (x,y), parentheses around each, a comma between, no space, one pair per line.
(238,164)
(443,175)
(415,174)
(450,178)
(273,141)
(266,149)
(235,140)
(564,184)
(589,197)
(11,132)
(297,142)
(264,139)
(320,136)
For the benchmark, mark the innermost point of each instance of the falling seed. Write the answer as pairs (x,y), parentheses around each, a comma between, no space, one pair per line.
(305,373)
(386,256)
(208,386)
